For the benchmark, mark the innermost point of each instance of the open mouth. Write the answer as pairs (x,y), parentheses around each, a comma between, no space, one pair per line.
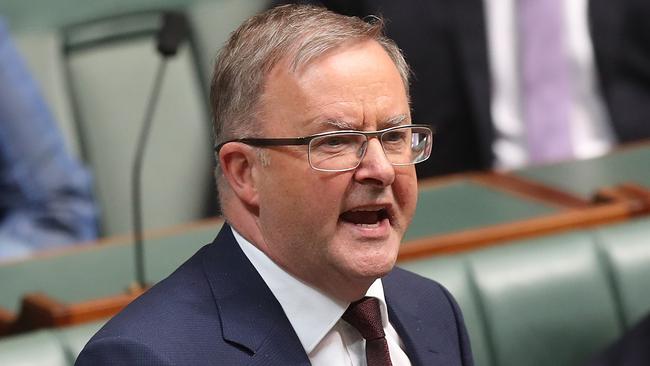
(365,218)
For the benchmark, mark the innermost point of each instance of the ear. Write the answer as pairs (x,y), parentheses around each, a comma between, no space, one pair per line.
(237,162)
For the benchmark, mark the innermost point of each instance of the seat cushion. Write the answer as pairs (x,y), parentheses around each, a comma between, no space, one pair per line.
(626,248)
(451,272)
(40,348)
(546,301)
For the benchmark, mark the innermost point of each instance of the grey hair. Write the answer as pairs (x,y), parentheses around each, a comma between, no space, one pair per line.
(298,33)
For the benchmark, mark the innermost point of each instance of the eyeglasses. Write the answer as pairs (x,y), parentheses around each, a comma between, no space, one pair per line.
(339,151)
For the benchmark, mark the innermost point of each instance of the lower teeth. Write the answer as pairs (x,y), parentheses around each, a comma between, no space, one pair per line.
(369,225)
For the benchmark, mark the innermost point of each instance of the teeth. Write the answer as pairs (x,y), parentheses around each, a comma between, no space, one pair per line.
(369,225)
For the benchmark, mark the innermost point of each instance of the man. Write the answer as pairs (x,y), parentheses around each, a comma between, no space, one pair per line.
(464,55)
(46,198)
(316,152)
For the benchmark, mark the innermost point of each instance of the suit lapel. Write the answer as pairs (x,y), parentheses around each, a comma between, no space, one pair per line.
(251,317)
(423,338)
(412,333)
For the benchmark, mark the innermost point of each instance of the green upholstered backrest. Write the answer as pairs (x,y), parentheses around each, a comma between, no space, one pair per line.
(464,204)
(553,300)
(454,274)
(546,302)
(111,84)
(584,177)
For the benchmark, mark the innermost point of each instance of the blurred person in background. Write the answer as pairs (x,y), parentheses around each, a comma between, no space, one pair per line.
(631,349)
(510,83)
(45,194)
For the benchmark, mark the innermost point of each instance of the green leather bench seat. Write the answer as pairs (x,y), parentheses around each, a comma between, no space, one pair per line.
(553,300)
(98,271)
(549,301)
(584,177)
(463,204)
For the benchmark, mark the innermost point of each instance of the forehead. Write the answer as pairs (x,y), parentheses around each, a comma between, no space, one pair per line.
(356,85)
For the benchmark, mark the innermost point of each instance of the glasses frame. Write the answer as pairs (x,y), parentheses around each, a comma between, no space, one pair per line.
(306,140)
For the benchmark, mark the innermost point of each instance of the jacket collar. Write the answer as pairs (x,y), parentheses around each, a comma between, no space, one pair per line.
(253,319)
(250,315)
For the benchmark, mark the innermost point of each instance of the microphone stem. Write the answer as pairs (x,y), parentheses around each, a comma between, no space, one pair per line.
(136,174)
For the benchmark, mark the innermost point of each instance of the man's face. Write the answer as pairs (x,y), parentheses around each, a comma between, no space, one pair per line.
(338,231)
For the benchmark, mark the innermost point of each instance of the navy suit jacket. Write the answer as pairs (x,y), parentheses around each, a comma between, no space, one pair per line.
(216,310)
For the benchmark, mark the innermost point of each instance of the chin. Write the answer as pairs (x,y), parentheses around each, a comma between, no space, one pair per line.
(374,267)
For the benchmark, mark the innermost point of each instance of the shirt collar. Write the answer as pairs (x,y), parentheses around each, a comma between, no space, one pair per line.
(312,313)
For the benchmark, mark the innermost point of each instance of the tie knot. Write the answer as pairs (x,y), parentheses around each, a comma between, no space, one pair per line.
(364,315)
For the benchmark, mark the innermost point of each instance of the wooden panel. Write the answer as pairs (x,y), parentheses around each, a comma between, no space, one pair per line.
(7,318)
(38,310)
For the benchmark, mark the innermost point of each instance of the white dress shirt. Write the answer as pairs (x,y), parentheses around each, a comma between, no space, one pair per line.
(591,134)
(316,317)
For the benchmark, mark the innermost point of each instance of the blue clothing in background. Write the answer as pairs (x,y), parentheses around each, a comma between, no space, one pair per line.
(45,195)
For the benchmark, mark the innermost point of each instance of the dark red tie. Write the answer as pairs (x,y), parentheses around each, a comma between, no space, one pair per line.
(364,315)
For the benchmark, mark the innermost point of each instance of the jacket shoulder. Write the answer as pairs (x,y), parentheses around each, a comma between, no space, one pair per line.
(175,322)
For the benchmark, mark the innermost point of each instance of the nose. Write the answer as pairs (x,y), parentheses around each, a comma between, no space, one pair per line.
(375,168)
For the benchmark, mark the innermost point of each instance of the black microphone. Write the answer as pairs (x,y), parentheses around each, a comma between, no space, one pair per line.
(174,30)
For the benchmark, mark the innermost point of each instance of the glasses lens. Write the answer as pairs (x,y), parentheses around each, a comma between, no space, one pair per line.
(336,152)
(407,145)
(343,151)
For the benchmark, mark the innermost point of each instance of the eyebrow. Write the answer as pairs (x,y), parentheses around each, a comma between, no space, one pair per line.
(394,121)
(343,125)
(337,123)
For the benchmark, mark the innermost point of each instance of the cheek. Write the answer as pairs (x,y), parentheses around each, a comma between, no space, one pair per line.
(307,197)
(323,196)
(405,189)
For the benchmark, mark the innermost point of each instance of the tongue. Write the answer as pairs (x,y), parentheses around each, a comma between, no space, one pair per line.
(361,217)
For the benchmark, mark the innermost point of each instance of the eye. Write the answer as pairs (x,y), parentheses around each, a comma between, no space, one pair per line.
(334,141)
(394,137)
(337,144)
